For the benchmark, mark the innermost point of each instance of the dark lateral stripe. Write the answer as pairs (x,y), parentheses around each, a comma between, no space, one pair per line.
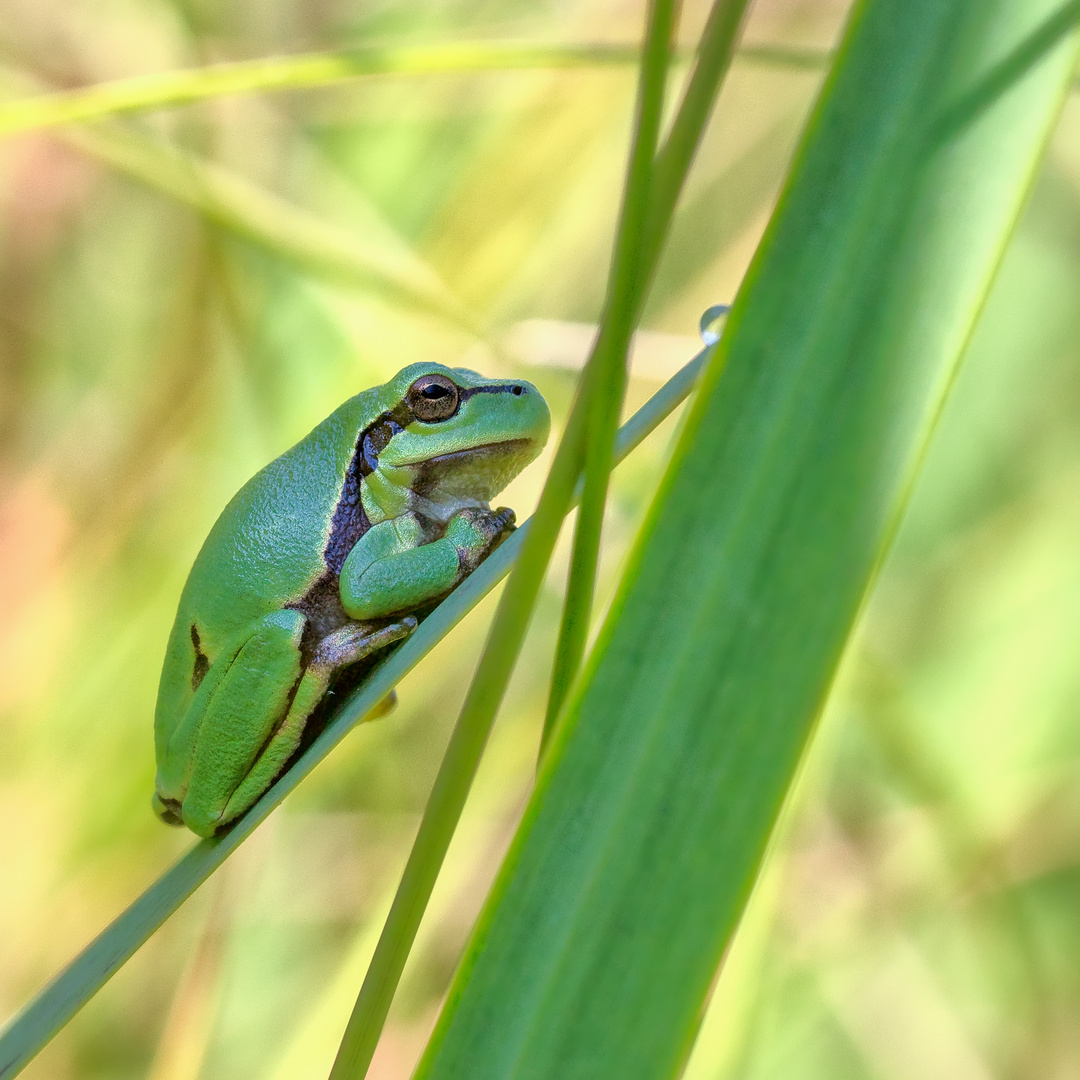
(376,437)
(466,392)
(350,522)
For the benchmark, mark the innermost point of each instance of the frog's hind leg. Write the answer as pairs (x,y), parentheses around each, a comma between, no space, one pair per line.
(345,646)
(234,716)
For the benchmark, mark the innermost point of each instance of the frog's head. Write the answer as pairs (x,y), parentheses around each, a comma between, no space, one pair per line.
(454,438)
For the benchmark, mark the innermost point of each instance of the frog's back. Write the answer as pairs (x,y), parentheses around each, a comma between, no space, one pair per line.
(266,550)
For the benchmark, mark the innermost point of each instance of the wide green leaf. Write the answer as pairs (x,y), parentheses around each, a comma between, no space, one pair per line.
(650,818)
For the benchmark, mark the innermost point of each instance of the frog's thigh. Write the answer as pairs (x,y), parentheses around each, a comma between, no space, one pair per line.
(400,581)
(240,716)
(345,646)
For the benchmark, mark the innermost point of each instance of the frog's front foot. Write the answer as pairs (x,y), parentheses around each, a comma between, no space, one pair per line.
(476,533)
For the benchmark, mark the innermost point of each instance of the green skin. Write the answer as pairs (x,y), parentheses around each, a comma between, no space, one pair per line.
(323,558)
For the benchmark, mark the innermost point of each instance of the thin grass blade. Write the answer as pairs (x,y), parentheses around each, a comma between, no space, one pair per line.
(714,56)
(306,71)
(607,365)
(666,177)
(26,1033)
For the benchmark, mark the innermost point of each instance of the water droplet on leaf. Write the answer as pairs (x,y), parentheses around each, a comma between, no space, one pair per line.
(711,324)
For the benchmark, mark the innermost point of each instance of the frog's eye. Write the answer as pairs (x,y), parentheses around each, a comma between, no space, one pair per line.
(433,398)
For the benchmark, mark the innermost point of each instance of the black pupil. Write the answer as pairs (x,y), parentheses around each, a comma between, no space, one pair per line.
(434,390)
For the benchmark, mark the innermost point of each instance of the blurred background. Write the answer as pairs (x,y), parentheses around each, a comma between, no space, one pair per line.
(185,293)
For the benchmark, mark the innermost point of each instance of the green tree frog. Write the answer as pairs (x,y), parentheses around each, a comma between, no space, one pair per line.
(323,558)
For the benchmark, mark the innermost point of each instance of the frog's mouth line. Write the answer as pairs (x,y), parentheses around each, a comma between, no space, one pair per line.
(507,446)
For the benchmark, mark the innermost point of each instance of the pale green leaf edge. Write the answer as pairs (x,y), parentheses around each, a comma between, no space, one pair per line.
(308,71)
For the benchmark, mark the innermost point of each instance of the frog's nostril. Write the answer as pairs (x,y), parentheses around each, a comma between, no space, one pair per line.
(517,390)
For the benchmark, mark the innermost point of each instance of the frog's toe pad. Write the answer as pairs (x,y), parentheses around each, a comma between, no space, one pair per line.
(169,810)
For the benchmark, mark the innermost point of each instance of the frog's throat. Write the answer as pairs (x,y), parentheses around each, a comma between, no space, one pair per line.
(443,511)
(382,498)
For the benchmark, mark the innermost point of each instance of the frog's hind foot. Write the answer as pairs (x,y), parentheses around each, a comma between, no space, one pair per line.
(169,810)
(356,640)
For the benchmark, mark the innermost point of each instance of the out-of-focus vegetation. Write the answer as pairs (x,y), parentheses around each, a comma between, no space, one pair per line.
(918,917)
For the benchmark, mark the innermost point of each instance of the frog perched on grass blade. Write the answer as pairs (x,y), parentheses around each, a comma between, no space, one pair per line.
(323,558)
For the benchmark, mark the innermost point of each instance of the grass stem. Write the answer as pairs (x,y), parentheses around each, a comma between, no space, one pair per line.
(608,364)
(661,181)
